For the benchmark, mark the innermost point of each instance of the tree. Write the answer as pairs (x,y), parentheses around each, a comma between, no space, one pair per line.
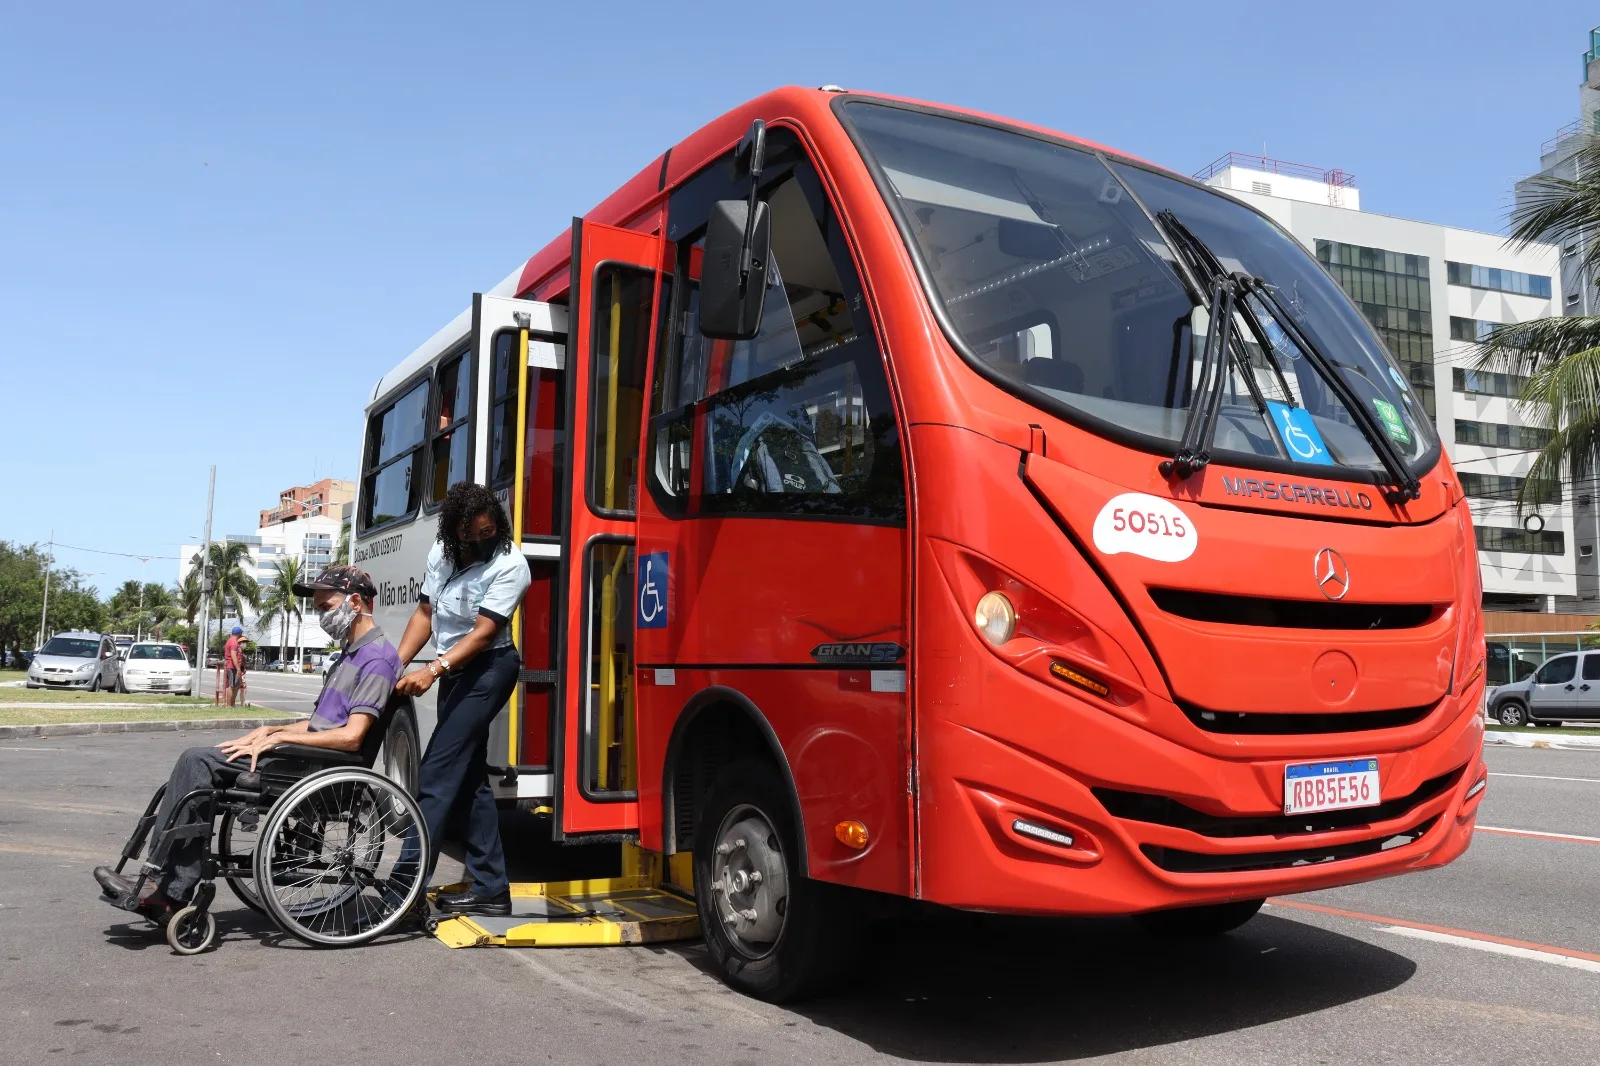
(72,604)
(341,554)
(279,603)
(235,587)
(1558,357)
(187,594)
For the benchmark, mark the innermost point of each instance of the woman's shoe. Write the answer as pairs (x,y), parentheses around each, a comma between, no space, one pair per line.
(471,902)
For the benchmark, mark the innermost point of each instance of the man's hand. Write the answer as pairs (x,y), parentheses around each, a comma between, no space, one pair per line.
(250,745)
(415,683)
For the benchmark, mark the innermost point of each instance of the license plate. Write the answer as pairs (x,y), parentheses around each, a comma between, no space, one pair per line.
(158,684)
(1330,786)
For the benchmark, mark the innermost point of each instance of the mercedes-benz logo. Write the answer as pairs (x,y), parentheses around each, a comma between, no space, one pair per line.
(1332,574)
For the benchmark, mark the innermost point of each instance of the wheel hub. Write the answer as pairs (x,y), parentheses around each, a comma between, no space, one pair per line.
(749,881)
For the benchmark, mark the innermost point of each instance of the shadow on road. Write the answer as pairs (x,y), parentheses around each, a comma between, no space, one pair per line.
(950,987)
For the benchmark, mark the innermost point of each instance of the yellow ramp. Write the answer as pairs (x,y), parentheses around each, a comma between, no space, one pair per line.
(565,914)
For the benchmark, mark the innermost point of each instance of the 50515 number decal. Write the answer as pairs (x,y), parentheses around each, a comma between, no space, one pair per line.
(1140,524)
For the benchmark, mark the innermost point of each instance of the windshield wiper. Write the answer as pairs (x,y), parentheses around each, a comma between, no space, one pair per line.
(1194,450)
(1194,251)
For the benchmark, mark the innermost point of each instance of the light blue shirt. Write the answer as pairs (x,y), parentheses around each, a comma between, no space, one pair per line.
(494,588)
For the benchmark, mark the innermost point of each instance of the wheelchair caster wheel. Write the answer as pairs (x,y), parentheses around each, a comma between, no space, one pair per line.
(191,930)
(431,925)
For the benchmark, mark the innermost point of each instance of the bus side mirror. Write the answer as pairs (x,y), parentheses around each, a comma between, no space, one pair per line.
(733,274)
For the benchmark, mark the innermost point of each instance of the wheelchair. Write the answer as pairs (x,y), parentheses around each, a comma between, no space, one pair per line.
(328,848)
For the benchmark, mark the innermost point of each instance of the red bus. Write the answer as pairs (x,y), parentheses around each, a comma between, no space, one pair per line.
(931,504)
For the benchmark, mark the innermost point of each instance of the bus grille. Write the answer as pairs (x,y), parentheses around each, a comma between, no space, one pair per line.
(1175,860)
(1268,723)
(1290,614)
(1163,810)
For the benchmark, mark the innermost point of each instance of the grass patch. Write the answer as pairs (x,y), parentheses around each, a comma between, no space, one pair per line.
(152,713)
(1545,730)
(13,675)
(45,695)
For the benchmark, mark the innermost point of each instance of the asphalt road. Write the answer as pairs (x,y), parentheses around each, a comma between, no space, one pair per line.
(282,692)
(1410,970)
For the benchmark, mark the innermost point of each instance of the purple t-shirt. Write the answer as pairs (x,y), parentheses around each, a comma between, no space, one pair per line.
(360,683)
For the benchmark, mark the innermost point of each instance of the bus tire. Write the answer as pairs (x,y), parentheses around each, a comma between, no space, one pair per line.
(1210,920)
(772,933)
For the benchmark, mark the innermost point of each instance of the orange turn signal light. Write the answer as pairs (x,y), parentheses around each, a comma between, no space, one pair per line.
(851,833)
(1072,677)
(1477,672)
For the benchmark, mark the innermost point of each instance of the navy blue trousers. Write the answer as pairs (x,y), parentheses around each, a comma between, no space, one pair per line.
(454,771)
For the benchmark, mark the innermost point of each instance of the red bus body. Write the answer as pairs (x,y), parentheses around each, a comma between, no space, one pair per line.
(1163,807)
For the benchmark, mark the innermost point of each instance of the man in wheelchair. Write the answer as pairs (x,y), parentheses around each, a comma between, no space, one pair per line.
(315,821)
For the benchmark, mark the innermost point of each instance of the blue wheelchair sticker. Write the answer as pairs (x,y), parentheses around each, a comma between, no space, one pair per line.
(652,601)
(1299,434)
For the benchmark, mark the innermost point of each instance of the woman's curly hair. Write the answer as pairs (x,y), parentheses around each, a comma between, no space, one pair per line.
(465,501)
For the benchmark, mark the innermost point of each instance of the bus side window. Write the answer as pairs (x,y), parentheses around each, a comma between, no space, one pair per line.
(798,420)
(503,386)
(452,436)
(390,486)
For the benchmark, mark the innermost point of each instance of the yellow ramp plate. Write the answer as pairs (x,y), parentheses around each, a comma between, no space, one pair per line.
(576,914)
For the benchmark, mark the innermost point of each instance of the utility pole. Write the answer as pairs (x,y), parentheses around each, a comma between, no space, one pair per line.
(44,612)
(138,624)
(207,583)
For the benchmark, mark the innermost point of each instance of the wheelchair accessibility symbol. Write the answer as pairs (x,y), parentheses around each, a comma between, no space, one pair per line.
(1299,433)
(652,612)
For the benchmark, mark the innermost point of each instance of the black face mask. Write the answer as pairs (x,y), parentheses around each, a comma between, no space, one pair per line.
(479,551)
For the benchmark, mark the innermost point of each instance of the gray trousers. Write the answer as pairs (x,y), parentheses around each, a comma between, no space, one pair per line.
(195,768)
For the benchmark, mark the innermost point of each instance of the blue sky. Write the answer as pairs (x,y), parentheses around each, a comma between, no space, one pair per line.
(220,223)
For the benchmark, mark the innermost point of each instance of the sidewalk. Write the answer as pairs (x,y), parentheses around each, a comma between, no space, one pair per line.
(1522,739)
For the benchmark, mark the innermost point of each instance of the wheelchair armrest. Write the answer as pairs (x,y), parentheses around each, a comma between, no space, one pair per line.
(322,755)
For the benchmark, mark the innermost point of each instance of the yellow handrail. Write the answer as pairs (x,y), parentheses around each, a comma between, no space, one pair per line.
(518,493)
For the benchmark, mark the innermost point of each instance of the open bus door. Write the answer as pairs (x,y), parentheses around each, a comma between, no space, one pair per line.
(615,279)
(519,351)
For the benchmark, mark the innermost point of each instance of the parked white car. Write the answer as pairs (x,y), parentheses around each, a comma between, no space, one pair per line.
(156,666)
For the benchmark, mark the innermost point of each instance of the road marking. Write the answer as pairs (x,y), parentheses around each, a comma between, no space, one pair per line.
(34,749)
(1466,938)
(1546,777)
(1538,834)
(1554,958)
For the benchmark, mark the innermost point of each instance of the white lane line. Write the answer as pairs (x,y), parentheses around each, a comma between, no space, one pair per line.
(34,749)
(1572,837)
(1550,957)
(1547,777)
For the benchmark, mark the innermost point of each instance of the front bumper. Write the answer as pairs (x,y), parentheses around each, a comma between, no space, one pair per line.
(155,685)
(1155,824)
(69,682)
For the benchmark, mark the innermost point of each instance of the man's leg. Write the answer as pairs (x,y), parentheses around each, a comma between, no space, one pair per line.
(196,768)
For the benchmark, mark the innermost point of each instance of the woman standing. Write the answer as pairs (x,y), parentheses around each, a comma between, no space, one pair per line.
(475,581)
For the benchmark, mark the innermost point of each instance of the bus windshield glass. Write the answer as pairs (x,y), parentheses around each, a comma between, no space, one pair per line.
(1055,270)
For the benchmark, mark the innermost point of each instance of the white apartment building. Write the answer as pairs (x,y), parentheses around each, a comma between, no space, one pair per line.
(1430,291)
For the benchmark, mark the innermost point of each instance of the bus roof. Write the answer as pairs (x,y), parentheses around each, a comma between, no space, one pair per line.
(665,171)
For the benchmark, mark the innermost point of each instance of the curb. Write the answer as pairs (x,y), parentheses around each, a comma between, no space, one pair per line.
(1529,740)
(86,729)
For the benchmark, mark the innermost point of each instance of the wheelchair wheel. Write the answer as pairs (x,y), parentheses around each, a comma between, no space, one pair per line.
(191,930)
(236,843)
(340,857)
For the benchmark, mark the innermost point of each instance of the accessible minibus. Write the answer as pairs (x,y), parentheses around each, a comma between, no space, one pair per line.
(928,504)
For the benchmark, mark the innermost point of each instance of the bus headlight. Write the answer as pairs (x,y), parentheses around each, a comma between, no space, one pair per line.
(995,618)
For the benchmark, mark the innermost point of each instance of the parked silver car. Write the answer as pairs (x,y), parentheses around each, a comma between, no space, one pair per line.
(1565,688)
(75,660)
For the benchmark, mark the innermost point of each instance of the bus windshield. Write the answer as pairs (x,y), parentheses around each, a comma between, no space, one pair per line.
(1054,270)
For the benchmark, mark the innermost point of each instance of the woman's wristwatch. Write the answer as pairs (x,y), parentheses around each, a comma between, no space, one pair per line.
(442,664)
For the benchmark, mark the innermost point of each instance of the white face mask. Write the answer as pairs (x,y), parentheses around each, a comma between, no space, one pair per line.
(338,622)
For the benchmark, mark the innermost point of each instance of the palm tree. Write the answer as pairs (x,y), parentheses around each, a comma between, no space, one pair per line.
(279,603)
(187,593)
(234,586)
(1558,357)
(160,609)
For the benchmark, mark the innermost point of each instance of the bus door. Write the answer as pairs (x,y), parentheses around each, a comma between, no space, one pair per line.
(615,278)
(519,351)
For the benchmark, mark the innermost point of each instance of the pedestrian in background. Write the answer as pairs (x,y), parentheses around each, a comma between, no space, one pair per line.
(474,583)
(233,665)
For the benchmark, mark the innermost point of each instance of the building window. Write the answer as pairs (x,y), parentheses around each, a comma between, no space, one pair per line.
(1572,299)
(1505,487)
(1494,435)
(1264,188)
(1586,550)
(1501,539)
(1488,383)
(1497,280)
(1391,288)
(1469,329)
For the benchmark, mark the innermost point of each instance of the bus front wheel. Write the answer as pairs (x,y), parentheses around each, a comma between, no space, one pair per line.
(772,933)
(1210,920)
